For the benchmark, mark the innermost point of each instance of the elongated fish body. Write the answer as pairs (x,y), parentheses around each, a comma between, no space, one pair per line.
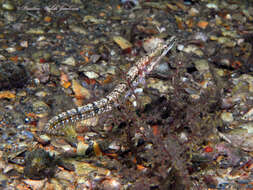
(141,68)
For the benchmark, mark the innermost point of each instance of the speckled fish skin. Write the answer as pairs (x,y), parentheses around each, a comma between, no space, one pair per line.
(144,66)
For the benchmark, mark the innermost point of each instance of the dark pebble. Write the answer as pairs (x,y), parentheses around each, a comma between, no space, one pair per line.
(12,76)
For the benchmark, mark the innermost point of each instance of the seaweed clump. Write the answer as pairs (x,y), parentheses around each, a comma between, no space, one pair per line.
(169,163)
(39,165)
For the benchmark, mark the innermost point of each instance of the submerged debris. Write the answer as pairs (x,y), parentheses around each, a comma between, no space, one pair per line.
(39,164)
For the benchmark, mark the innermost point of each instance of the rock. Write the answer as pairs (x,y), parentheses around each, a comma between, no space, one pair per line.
(122,42)
(227,117)
(39,164)
(70,61)
(81,148)
(8,6)
(12,76)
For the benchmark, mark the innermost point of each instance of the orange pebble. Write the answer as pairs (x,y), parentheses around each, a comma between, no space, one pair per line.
(47,19)
(15,58)
(97,149)
(7,94)
(141,167)
(155,130)
(202,24)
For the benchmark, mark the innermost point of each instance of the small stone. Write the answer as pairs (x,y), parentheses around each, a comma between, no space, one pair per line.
(241,137)
(80,91)
(201,36)
(92,19)
(183,137)
(193,12)
(8,6)
(91,74)
(227,117)
(35,31)
(193,49)
(81,148)
(84,169)
(201,65)
(41,94)
(162,68)
(35,184)
(202,24)
(111,184)
(3,178)
(94,58)
(78,29)
(11,49)
(24,44)
(248,126)
(161,86)
(64,175)
(2,58)
(91,122)
(249,115)
(54,70)
(40,108)
(70,61)
(151,43)
(212,6)
(44,139)
(195,96)
(41,72)
(180,47)
(114,146)
(122,42)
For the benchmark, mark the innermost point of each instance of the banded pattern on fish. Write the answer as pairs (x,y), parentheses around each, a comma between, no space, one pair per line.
(141,68)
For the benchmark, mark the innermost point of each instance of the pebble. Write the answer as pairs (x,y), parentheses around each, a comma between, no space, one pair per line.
(102,69)
(35,184)
(111,184)
(8,6)
(180,47)
(83,169)
(40,108)
(162,68)
(227,117)
(150,44)
(92,19)
(212,6)
(65,176)
(12,76)
(193,49)
(249,115)
(200,36)
(81,148)
(11,49)
(91,74)
(240,137)
(94,58)
(114,146)
(201,65)
(2,58)
(44,139)
(122,42)
(193,11)
(161,86)
(78,29)
(35,31)
(41,94)
(80,91)
(70,61)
